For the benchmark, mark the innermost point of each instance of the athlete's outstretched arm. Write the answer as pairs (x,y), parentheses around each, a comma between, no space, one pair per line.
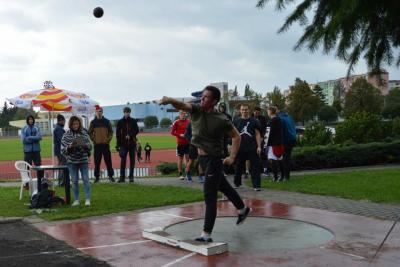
(176,103)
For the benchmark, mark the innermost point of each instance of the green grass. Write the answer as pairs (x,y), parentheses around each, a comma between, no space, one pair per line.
(381,186)
(11,149)
(106,199)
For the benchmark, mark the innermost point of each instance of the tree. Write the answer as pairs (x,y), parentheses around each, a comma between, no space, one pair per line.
(235,91)
(327,114)
(303,104)
(362,96)
(150,121)
(392,104)
(319,92)
(248,93)
(276,98)
(165,122)
(316,134)
(353,28)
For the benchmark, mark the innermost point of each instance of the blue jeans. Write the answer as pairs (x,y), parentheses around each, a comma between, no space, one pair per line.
(74,169)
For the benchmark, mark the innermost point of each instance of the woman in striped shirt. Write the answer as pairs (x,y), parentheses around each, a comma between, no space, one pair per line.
(75,145)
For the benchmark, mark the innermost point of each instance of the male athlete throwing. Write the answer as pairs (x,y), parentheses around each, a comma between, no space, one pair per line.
(208,129)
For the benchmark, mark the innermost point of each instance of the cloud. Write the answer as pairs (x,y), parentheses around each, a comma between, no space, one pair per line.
(141,50)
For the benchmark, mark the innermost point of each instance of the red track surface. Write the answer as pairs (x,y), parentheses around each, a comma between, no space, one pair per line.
(7,169)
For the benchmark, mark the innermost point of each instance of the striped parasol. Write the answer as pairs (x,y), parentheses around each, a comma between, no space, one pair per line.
(54,99)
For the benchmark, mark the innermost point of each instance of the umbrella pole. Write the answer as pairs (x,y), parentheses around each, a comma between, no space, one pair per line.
(52,138)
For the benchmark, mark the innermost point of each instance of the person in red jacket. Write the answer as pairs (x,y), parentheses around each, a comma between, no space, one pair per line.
(182,149)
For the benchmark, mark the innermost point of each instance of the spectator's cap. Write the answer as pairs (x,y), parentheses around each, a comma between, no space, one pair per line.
(99,108)
(60,117)
(127,110)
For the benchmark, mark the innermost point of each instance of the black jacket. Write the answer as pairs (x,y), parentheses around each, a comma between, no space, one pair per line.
(274,131)
(127,127)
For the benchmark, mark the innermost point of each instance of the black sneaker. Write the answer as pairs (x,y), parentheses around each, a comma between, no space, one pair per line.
(242,217)
(131,180)
(121,180)
(111,180)
(97,180)
(203,239)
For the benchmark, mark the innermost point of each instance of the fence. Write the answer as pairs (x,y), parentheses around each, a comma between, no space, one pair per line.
(140,172)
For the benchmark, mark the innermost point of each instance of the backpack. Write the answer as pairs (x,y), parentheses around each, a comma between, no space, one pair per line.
(42,199)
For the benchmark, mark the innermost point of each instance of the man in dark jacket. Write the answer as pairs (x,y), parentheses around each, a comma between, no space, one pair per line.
(289,141)
(31,138)
(57,136)
(101,132)
(127,129)
(263,124)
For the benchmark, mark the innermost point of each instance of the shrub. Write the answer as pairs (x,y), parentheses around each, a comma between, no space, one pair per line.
(361,127)
(336,156)
(328,114)
(396,127)
(167,167)
(150,121)
(316,134)
(165,122)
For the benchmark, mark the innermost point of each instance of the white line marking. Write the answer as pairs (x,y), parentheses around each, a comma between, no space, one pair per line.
(179,260)
(116,245)
(173,215)
(352,255)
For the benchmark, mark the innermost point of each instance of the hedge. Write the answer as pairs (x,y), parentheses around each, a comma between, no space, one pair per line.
(336,156)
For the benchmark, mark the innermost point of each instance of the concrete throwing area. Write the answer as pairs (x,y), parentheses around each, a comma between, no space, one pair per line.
(286,236)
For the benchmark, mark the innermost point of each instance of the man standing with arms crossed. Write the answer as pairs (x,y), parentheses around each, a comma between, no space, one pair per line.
(208,128)
(101,133)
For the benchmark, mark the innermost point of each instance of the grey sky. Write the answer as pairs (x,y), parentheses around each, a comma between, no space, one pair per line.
(141,50)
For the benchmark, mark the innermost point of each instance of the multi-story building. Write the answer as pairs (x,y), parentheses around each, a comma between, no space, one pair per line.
(394,84)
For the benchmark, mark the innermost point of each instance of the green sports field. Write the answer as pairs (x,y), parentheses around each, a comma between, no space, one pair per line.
(11,149)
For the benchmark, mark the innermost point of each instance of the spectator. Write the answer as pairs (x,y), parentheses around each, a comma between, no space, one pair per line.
(147,151)
(263,124)
(289,141)
(139,152)
(75,145)
(274,142)
(227,140)
(101,133)
(31,138)
(209,143)
(182,144)
(250,147)
(127,130)
(57,136)
(192,157)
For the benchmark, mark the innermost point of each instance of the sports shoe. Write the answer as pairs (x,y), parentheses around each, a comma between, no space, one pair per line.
(121,180)
(87,202)
(97,180)
(203,239)
(75,203)
(256,189)
(111,179)
(236,186)
(242,217)
(201,179)
(189,177)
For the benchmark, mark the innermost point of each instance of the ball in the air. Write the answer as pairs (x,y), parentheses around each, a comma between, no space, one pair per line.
(98,12)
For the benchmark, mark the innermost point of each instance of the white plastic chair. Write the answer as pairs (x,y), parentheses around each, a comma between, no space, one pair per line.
(26,177)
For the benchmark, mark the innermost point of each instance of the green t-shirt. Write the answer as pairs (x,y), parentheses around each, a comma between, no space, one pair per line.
(208,130)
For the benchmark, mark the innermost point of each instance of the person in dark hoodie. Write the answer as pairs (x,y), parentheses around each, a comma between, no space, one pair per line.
(31,138)
(289,141)
(57,136)
(127,129)
(101,133)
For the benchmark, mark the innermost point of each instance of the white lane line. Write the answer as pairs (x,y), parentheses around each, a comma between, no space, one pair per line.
(179,260)
(116,245)
(173,215)
(353,255)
